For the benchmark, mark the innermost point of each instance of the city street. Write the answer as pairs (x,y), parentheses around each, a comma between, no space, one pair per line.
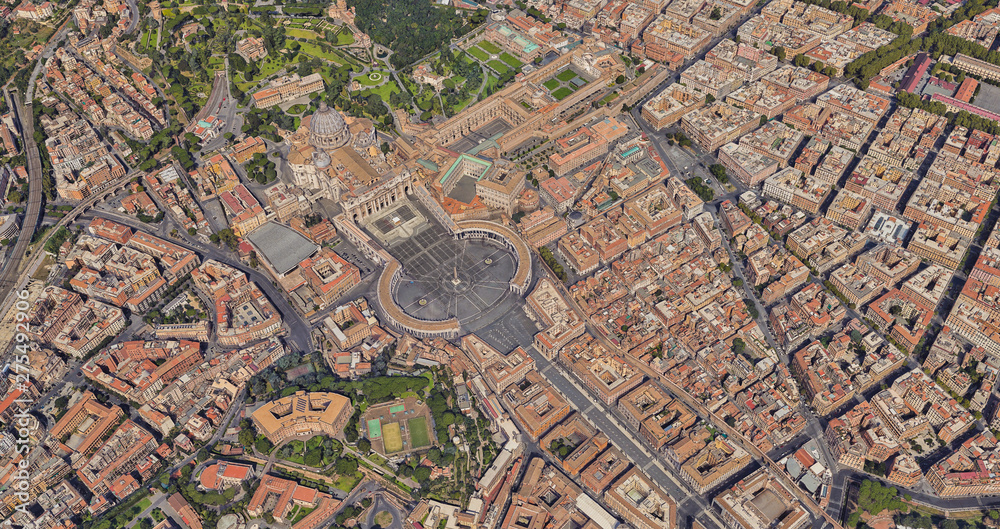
(690,504)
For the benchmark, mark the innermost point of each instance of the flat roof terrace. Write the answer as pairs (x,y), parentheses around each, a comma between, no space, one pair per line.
(282,247)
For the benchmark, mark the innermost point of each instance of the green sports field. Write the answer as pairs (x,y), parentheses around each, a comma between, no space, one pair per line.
(374,429)
(392,437)
(418,432)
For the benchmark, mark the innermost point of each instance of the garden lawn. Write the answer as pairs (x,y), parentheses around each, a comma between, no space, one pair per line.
(302,34)
(500,67)
(511,60)
(383,91)
(345,38)
(461,105)
(267,69)
(492,81)
(216,63)
(314,50)
(562,93)
(551,84)
(302,513)
(489,46)
(478,53)
(566,76)
(347,483)
(610,97)
(365,80)
(149,39)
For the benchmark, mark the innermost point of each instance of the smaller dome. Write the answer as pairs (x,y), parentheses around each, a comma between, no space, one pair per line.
(326,122)
(321,159)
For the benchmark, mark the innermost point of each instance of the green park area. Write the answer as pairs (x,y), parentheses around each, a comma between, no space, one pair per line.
(498,67)
(345,38)
(148,40)
(316,50)
(479,53)
(493,49)
(454,81)
(566,75)
(301,34)
(563,84)
(216,63)
(510,60)
(14,45)
(372,78)
(562,93)
(384,91)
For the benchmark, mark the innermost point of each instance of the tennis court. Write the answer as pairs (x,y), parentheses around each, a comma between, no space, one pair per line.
(374,429)
(393,438)
(418,432)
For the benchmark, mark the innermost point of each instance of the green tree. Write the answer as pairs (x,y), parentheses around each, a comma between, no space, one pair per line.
(314,457)
(364,445)
(246,438)
(346,466)
(263,445)
(422,474)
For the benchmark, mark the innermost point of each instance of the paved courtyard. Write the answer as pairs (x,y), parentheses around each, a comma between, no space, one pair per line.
(444,277)
(487,131)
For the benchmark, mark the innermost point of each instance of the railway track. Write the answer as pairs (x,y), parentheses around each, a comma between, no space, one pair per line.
(32,216)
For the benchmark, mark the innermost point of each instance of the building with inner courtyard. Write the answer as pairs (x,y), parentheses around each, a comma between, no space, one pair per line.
(303,414)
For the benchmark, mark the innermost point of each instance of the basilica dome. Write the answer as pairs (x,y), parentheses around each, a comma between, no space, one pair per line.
(327,129)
